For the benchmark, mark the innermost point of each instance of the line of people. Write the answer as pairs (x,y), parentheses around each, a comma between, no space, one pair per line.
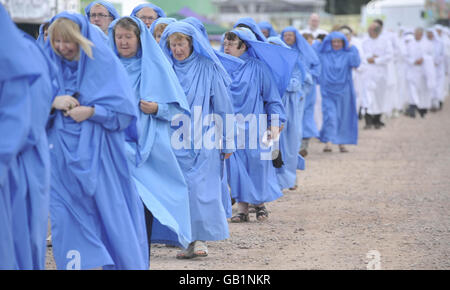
(119,128)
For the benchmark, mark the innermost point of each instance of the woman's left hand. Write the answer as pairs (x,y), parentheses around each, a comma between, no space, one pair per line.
(148,107)
(81,113)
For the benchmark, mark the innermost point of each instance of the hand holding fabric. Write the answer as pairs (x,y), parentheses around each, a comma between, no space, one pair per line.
(81,113)
(148,107)
(65,103)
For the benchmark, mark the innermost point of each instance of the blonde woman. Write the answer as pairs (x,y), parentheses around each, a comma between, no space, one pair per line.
(96,215)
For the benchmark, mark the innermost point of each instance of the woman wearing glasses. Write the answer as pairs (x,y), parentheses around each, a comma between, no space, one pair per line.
(148,13)
(101,13)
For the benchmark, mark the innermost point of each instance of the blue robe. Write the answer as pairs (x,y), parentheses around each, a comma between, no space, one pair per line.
(166,20)
(340,119)
(205,84)
(158,177)
(252,177)
(291,137)
(157,9)
(26,92)
(231,64)
(96,213)
(109,6)
(267,26)
(250,22)
(309,58)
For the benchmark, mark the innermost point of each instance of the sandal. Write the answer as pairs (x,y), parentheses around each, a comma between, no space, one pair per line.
(327,149)
(343,149)
(200,249)
(186,253)
(261,213)
(240,218)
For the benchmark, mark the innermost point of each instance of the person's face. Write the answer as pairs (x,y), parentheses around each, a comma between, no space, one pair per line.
(430,35)
(70,50)
(289,37)
(127,42)
(158,36)
(337,43)
(45,34)
(265,32)
(418,34)
(181,49)
(373,33)
(99,16)
(314,21)
(231,47)
(147,15)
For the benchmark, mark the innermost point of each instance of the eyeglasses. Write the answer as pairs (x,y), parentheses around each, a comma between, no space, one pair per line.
(230,44)
(144,18)
(99,15)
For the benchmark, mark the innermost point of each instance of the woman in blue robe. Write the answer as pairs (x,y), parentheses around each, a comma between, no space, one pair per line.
(231,64)
(291,137)
(309,58)
(96,214)
(255,92)
(101,21)
(160,20)
(340,119)
(249,23)
(267,29)
(26,93)
(157,9)
(205,82)
(159,179)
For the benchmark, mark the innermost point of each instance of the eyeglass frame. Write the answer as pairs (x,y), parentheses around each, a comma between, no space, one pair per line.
(100,15)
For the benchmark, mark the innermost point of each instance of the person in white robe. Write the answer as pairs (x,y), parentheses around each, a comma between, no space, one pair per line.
(420,73)
(378,53)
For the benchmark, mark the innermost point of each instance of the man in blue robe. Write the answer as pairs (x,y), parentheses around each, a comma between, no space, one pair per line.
(148,13)
(101,14)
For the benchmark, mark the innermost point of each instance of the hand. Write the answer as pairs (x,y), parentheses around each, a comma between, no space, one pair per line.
(148,107)
(419,61)
(227,155)
(65,103)
(274,132)
(81,113)
(371,60)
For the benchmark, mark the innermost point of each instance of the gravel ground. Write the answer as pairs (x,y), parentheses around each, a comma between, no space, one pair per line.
(389,194)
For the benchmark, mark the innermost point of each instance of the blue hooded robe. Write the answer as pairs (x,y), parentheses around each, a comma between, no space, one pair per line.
(97,216)
(291,137)
(340,119)
(256,92)
(309,58)
(166,20)
(26,92)
(231,64)
(264,25)
(159,179)
(251,24)
(109,6)
(157,9)
(205,84)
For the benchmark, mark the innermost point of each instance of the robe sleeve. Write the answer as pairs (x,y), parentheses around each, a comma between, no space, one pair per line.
(15,120)
(167,111)
(355,59)
(272,100)
(110,120)
(386,56)
(222,106)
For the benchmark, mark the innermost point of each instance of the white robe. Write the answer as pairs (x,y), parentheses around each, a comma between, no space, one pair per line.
(376,76)
(315,33)
(421,78)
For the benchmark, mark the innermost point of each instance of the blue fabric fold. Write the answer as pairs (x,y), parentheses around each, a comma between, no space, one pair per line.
(267,26)
(250,22)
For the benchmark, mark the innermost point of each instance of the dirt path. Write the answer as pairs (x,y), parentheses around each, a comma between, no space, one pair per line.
(389,194)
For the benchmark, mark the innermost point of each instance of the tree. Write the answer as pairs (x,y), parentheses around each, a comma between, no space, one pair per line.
(341,7)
